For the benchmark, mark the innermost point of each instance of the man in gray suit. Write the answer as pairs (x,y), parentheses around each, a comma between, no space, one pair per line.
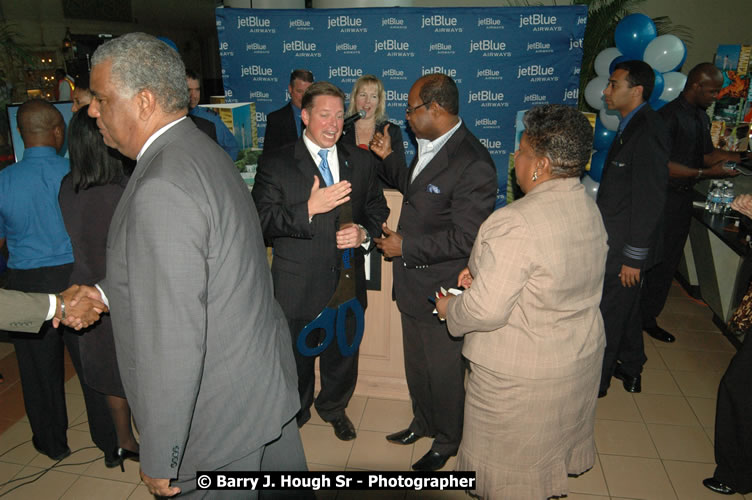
(203,348)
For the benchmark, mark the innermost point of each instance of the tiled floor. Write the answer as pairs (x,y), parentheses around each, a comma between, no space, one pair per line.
(653,445)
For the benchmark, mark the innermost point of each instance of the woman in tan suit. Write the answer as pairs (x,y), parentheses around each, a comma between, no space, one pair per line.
(533,331)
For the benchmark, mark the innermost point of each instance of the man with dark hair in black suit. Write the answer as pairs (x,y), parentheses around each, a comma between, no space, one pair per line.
(284,126)
(630,198)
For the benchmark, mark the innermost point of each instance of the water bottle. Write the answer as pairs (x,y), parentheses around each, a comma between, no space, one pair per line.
(728,196)
(716,201)
(709,197)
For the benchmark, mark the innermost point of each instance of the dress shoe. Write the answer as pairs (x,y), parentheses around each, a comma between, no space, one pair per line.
(631,384)
(124,455)
(602,394)
(343,428)
(659,333)
(433,460)
(712,483)
(64,454)
(403,437)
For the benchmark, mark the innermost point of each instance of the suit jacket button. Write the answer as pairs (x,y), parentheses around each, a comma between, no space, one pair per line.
(333,269)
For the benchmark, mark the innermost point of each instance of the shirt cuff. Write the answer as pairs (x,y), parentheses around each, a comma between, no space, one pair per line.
(53,307)
(104,297)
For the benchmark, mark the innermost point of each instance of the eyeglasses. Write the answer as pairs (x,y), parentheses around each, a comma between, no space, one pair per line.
(409,109)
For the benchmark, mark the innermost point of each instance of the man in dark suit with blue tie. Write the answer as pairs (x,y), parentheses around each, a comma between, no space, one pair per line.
(631,197)
(302,192)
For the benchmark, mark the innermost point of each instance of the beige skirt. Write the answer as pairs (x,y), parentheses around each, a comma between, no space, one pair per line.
(523,437)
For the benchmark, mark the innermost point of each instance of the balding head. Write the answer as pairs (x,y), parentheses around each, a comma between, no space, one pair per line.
(41,124)
(703,84)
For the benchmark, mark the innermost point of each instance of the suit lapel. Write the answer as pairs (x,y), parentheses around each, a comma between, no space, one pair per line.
(305,163)
(438,163)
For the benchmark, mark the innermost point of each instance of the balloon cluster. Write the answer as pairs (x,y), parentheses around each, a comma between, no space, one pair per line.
(636,38)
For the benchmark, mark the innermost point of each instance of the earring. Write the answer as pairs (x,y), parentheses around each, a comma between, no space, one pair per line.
(535,175)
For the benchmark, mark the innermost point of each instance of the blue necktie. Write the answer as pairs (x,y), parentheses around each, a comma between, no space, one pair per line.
(324,167)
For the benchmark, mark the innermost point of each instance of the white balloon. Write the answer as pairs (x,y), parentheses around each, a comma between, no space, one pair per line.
(604,59)
(591,186)
(664,53)
(594,91)
(610,119)
(673,84)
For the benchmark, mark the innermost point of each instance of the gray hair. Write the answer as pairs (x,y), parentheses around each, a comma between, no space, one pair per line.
(143,62)
(562,134)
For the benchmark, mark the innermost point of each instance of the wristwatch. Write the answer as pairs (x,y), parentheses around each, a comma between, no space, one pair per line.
(699,173)
(367,240)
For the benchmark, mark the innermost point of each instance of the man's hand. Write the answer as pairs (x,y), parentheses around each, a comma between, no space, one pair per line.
(743,204)
(350,236)
(465,278)
(718,170)
(159,487)
(83,305)
(442,304)
(391,244)
(630,276)
(322,200)
(381,144)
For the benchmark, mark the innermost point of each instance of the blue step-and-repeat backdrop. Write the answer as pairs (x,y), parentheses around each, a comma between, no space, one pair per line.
(503,59)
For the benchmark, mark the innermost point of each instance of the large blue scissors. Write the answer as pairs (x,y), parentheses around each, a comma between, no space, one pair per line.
(332,319)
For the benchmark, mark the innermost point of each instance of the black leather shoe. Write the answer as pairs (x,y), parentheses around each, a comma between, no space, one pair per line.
(343,428)
(659,333)
(713,484)
(602,394)
(57,457)
(403,437)
(631,384)
(433,460)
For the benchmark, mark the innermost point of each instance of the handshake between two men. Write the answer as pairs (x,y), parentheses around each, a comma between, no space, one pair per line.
(78,307)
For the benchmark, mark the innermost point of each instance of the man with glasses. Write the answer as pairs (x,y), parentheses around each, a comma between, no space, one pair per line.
(449,190)
(692,158)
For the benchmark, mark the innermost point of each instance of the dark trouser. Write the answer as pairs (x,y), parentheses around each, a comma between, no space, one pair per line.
(283,454)
(657,283)
(101,426)
(339,374)
(733,430)
(435,373)
(40,363)
(620,308)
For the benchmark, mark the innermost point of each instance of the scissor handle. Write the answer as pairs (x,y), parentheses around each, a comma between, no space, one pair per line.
(360,325)
(326,321)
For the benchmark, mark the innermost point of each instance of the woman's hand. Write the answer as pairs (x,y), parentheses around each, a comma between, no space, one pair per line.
(441,306)
(465,279)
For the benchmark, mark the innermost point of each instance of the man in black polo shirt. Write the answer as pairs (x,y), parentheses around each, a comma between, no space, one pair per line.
(692,158)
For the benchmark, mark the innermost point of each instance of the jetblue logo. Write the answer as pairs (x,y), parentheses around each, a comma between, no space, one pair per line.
(393,74)
(539,47)
(489,74)
(486,123)
(259,73)
(346,24)
(344,72)
(534,98)
(301,48)
(582,20)
(260,117)
(575,44)
(256,24)
(259,96)
(258,48)
(440,24)
(301,24)
(488,99)
(490,23)
(441,48)
(347,48)
(489,48)
(540,22)
(394,23)
(224,49)
(393,48)
(537,73)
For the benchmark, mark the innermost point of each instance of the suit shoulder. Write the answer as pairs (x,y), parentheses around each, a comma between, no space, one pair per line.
(278,155)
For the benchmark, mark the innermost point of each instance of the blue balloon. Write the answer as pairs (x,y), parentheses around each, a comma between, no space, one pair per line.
(658,104)
(603,136)
(616,61)
(657,88)
(633,34)
(596,165)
